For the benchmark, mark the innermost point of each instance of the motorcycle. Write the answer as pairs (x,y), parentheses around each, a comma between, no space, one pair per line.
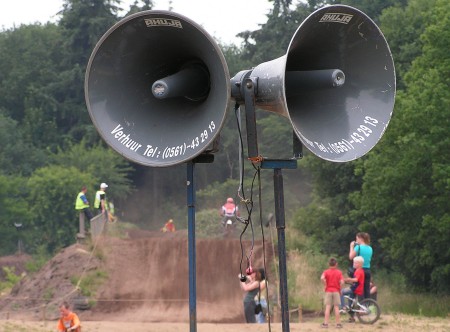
(229,226)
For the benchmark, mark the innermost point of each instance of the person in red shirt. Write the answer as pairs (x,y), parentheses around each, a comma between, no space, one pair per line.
(169,226)
(333,280)
(69,320)
(357,287)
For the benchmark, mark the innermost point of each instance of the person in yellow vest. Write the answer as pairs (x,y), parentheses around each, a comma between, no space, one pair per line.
(100,202)
(82,204)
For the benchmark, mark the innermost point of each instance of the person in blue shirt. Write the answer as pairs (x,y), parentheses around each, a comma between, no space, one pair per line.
(361,247)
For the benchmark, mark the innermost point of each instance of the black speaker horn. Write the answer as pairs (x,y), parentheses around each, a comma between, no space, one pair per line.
(157,88)
(336,83)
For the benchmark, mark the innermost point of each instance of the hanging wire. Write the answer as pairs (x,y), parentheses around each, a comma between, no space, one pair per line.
(248,203)
(249,206)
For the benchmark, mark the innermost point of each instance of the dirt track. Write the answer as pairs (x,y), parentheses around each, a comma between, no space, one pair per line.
(147,290)
(386,324)
(147,281)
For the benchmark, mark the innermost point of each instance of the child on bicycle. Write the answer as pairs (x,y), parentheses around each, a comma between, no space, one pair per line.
(333,281)
(357,287)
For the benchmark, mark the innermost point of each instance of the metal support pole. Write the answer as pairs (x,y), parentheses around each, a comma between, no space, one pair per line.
(191,247)
(280,222)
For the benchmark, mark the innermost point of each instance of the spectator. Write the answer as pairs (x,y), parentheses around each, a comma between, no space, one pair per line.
(100,202)
(333,280)
(69,320)
(373,290)
(357,287)
(250,285)
(361,247)
(82,204)
(260,298)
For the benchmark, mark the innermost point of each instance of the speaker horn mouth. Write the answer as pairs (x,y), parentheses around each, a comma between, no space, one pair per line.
(157,88)
(314,79)
(336,83)
(191,82)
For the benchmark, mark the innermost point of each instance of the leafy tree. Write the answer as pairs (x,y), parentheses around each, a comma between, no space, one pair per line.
(83,23)
(103,165)
(324,219)
(385,191)
(402,28)
(16,155)
(136,7)
(406,184)
(373,8)
(272,40)
(30,62)
(52,193)
(14,210)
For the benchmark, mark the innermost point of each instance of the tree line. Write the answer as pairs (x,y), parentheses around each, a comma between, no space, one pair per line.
(398,192)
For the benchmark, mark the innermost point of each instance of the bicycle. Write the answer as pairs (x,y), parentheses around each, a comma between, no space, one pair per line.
(367,311)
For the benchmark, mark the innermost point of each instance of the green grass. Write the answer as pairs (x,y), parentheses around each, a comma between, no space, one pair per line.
(305,289)
(10,279)
(306,264)
(426,305)
(90,282)
(13,327)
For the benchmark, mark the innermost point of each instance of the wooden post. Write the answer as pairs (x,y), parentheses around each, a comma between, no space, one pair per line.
(300,314)
(81,234)
(44,318)
(82,229)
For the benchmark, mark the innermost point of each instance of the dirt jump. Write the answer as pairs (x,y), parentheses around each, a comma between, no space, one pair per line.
(145,278)
(140,283)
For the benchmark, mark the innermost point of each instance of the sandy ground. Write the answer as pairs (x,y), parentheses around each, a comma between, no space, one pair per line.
(386,323)
(147,290)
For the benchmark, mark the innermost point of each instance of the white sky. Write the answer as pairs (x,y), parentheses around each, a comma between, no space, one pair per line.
(222,19)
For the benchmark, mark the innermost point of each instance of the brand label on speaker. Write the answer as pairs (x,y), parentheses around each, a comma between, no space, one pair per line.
(336,17)
(168,22)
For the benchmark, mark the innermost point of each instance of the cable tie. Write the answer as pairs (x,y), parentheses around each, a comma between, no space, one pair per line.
(256,159)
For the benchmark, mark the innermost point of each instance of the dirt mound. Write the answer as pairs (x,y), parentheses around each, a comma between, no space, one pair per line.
(147,280)
(39,294)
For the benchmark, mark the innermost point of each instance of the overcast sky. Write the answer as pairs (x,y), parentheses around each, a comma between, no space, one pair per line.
(221,19)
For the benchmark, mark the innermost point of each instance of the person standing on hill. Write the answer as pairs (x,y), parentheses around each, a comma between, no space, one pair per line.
(69,320)
(361,247)
(82,204)
(100,200)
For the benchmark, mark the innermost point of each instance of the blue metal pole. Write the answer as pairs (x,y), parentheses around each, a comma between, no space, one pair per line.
(280,222)
(191,247)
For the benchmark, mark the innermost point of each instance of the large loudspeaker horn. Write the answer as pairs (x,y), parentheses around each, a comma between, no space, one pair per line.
(136,66)
(336,83)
